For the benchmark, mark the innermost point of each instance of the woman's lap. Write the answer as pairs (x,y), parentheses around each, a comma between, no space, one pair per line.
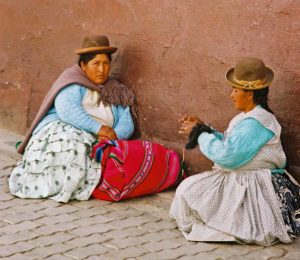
(231,204)
(56,164)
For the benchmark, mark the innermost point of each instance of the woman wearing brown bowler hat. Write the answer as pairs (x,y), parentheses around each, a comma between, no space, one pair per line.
(83,105)
(248,196)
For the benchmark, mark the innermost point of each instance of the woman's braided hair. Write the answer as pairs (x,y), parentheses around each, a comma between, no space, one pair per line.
(260,97)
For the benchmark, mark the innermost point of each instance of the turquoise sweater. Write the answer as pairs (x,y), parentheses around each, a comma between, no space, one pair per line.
(239,147)
(68,108)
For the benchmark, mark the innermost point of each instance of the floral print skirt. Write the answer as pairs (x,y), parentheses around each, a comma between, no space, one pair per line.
(288,193)
(56,164)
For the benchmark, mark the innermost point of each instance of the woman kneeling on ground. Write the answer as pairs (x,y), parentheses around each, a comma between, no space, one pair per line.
(248,196)
(83,105)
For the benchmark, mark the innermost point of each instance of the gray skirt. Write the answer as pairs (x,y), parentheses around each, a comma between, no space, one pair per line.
(56,165)
(239,206)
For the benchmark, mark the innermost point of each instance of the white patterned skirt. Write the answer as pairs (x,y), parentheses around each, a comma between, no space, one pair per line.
(56,164)
(230,206)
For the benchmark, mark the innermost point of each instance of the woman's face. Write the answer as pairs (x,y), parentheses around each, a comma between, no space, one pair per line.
(242,100)
(97,69)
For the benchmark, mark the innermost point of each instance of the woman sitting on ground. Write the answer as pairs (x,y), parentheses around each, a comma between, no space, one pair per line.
(248,196)
(83,105)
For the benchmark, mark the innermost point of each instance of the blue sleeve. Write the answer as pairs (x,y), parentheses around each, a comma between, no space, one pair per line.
(239,147)
(68,105)
(124,127)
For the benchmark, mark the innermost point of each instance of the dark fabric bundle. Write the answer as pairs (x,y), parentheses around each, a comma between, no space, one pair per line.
(115,93)
(197,130)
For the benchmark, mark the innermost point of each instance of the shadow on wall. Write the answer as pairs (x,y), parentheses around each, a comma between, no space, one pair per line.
(127,67)
(289,100)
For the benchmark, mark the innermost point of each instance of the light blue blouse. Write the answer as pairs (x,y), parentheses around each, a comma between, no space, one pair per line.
(68,108)
(239,146)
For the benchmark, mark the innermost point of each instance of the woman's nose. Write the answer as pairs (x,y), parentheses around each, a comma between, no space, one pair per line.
(232,94)
(100,67)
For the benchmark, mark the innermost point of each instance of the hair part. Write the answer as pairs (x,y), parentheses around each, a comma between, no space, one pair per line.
(85,58)
(260,97)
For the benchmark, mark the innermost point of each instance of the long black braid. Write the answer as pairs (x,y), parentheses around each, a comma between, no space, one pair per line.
(260,97)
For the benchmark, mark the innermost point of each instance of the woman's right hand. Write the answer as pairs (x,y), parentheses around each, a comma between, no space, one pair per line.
(106,133)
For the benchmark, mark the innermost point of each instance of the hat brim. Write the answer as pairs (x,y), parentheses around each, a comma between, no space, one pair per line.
(96,49)
(231,80)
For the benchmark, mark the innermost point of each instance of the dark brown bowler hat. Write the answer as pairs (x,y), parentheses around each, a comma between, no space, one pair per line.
(250,74)
(95,44)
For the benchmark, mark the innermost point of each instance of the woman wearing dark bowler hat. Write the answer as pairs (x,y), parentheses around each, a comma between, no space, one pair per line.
(248,196)
(83,105)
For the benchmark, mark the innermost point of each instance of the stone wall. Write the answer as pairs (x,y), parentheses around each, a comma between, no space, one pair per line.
(173,53)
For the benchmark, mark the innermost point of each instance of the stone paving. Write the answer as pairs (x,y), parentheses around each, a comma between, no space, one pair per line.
(132,229)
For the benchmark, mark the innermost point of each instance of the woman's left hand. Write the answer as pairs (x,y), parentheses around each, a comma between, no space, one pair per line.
(105,137)
(188,122)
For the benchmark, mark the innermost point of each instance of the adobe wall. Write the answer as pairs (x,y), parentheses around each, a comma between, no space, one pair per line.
(173,53)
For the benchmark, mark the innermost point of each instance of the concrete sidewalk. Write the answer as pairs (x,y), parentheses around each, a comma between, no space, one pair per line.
(132,229)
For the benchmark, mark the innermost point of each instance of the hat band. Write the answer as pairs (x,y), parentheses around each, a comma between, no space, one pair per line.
(255,84)
(95,48)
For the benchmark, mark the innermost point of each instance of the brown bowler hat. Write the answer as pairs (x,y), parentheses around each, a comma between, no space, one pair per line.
(250,74)
(95,44)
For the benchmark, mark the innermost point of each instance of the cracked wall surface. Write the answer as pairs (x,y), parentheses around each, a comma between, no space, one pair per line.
(173,53)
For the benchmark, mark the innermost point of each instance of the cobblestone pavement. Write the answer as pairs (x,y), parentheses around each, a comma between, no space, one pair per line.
(133,229)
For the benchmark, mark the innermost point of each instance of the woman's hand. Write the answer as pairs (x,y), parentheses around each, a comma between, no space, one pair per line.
(188,122)
(106,133)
